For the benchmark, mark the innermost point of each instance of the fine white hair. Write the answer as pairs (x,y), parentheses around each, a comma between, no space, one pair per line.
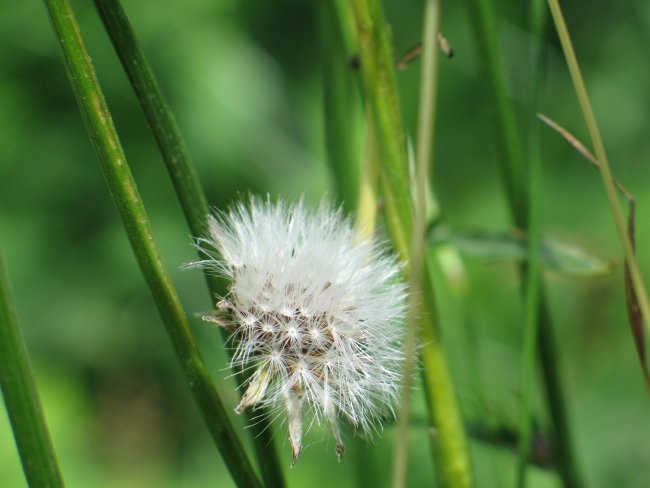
(315,312)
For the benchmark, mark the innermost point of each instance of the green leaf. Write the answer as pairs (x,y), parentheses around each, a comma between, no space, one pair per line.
(560,257)
(570,260)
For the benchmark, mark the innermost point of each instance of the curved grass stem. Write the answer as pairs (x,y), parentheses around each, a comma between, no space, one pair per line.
(186,184)
(605,170)
(125,195)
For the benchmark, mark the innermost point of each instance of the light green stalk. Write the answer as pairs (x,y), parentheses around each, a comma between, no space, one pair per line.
(425,135)
(125,194)
(366,216)
(21,398)
(380,89)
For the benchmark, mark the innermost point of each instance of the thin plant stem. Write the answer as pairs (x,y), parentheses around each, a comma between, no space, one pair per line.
(565,459)
(508,140)
(425,135)
(339,107)
(21,397)
(380,90)
(186,184)
(161,120)
(599,150)
(533,273)
(512,170)
(125,195)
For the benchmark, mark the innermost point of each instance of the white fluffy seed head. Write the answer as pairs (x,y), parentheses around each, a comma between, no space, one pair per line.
(314,311)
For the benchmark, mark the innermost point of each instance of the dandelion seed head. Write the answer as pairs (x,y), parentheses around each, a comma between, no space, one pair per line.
(317,314)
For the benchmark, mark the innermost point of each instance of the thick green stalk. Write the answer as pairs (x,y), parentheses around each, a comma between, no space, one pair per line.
(125,194)
(21,398)
(512,169)
(186,183)
(425,135)
(601,155)
(380,89)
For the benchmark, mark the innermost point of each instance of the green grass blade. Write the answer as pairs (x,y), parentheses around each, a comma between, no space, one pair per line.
(533,274)
(380,90)
(186,184)
(512,170)
(605,170)
(21,397)
(125,194)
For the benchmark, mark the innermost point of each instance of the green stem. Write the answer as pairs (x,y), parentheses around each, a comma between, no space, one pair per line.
(21,397)
(425,135)
(380,90)
(512,169)
(125,195)
(533,274)
(508,141)
(161,121)
(186,183)
(567,465)
(339,107)
(366,216)
(601,155)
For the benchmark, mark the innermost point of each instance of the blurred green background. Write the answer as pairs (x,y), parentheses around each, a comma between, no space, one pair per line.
(244,80)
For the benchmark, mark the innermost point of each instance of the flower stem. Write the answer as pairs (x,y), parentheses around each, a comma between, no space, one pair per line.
(186,184)
(21,397)
(125,194)
(380,90)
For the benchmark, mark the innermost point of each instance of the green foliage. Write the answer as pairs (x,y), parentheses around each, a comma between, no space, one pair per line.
(493,247)
(244,80)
